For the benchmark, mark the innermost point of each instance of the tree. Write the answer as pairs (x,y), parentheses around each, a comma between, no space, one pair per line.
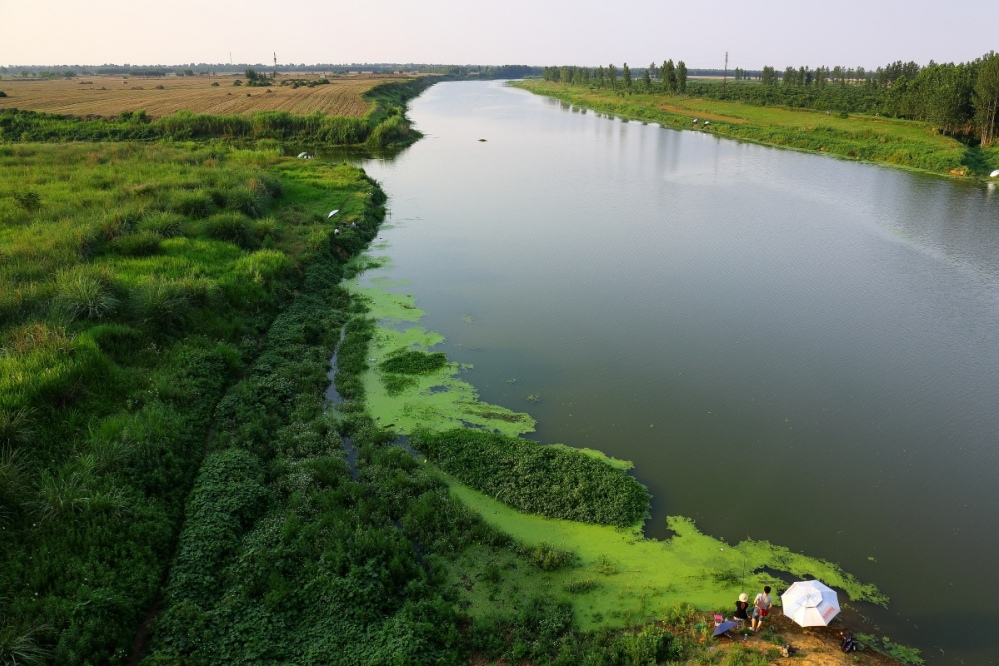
(768,76)
(986,98)
(647,80)
(612,75)
(942,95)
(681,76)
(669,77)
(626,74)
(600,76)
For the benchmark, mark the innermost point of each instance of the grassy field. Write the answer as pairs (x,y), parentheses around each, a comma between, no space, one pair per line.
(884,140)
(160,96)
(136,283)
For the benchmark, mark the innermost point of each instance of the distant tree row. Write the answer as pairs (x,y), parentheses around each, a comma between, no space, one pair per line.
(959,100)
(667,78)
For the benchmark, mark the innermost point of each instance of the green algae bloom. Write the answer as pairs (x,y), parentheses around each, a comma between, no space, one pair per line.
(621,578)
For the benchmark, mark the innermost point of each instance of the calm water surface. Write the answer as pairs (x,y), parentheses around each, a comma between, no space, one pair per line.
(789,347)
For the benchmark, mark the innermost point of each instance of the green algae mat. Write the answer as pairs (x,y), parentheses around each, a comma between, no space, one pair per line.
(619,577)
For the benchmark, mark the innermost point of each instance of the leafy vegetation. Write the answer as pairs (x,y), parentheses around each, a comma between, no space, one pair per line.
(167,316)
(122,322)
(552,481)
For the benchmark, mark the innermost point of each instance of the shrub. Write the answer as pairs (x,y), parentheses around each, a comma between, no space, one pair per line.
(116,340)
(15,428)
(265,229)
(139,244)
(263,267)
(83,294)
(651,645)
(161,305)
(29,200)
(582,586)
(163,224)
(547,557)
(413,362)
(230,226)
(552,481)
(192,204)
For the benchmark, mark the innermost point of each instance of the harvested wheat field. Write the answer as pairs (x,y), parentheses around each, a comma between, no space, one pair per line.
(160,96)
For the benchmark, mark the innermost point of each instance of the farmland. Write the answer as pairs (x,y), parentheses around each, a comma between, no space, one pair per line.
(160,96)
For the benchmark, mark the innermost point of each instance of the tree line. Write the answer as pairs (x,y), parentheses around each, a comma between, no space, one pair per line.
(668,78)
(959,100)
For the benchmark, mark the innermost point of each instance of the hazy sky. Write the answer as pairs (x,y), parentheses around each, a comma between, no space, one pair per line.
(540,32)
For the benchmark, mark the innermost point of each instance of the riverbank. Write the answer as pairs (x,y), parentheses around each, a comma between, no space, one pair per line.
(899,143)
(606,578)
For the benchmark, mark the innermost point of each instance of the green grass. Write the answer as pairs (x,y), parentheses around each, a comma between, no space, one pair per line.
(896,142)
(135,284)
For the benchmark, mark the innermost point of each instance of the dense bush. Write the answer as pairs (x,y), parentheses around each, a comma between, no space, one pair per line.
(230,226)
(552,481)
(285,556)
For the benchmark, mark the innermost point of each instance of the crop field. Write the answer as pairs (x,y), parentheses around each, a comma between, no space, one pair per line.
(160,96)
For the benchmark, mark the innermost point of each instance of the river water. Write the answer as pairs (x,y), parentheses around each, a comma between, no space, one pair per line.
(790,347)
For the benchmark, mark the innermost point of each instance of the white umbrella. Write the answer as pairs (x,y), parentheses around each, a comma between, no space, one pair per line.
(810,603)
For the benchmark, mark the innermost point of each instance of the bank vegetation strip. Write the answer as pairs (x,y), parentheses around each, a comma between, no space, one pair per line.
(898,142)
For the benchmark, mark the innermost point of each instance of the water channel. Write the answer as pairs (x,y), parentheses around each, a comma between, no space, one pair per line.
(789,347)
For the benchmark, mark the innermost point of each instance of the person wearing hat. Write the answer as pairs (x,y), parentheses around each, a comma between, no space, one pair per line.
(741,605)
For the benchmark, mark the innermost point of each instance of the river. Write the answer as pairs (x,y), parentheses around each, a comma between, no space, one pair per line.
(789,347)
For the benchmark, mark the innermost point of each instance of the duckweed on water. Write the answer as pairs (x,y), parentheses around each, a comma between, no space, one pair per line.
(619,578)
(638,577)
(436,400)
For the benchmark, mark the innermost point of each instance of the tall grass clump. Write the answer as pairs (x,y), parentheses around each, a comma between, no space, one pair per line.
(85,294)
(161,305)
(163,224)
(232,227)
(138,244)
(196,203)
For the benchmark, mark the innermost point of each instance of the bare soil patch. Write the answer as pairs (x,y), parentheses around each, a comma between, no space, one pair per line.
(818,646)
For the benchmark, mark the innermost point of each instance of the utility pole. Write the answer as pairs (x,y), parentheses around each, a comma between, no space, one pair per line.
(725,75)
